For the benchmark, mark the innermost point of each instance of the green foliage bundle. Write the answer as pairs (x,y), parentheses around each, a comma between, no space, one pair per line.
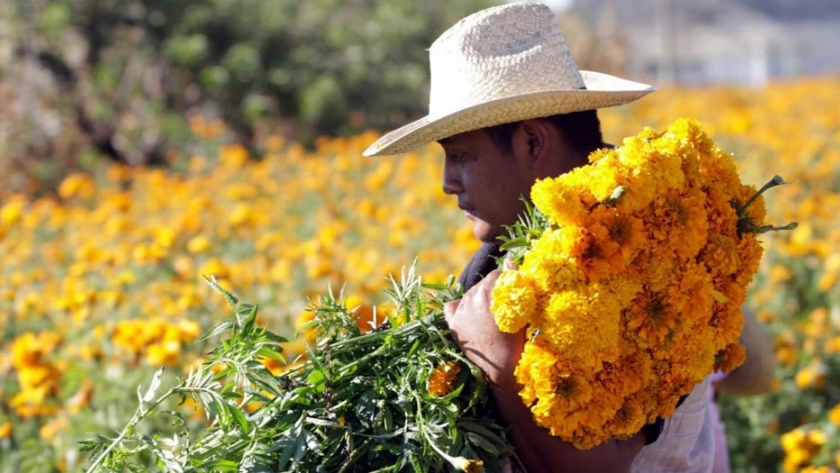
(360,401)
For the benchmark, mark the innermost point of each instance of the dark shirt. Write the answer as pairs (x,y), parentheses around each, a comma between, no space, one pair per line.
(482,263)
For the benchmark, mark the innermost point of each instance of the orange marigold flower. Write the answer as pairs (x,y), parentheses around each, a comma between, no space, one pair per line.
(732,357)
(626,230)
(650,317)
(442,380)
(365,314)
(596,255)
(627,420)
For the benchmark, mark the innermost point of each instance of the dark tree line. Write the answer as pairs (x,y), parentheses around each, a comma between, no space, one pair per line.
(120,78)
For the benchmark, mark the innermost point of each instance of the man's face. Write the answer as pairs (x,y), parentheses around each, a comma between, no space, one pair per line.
(488,182)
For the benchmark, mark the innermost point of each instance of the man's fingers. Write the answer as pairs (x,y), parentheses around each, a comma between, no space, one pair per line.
(486,285)
(508,263)
(490,279)
(449,310)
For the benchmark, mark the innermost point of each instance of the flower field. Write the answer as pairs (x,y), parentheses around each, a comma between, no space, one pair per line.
(101,284)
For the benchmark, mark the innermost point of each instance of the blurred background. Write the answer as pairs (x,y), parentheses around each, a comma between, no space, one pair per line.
(144,143)
(82,80)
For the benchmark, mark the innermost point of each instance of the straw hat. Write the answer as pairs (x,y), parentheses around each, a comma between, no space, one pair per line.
(502,65)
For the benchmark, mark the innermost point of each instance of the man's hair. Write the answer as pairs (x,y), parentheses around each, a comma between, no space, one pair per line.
(582,130)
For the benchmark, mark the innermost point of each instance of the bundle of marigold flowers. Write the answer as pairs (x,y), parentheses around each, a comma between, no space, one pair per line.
(393,395)
(631,272)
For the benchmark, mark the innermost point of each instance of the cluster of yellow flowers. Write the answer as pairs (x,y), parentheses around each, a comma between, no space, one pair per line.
(38,376)
(800,446)
(156,339)
(632,294)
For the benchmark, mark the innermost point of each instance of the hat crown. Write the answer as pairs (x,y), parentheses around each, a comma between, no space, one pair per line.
(497,53)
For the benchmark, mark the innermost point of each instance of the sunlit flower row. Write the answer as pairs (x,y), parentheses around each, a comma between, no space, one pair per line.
(102,282)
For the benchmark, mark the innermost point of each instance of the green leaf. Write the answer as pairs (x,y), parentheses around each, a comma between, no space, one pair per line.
(218,329)
(413,349)
(239,417)
(317,379)
(483,443)
(230,298)
(220,465)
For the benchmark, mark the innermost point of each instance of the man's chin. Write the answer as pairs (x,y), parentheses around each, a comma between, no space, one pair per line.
(485,232)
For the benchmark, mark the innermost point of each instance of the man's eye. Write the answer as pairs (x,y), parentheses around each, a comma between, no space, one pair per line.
(456,157)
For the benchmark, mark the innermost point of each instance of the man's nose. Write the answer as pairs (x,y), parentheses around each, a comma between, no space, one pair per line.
(451,181)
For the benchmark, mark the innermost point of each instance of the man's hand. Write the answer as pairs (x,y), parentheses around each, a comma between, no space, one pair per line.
(474,328)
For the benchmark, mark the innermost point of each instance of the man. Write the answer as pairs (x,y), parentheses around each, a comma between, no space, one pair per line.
(509,106)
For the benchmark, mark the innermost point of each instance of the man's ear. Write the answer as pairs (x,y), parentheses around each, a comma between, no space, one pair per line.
(534,140)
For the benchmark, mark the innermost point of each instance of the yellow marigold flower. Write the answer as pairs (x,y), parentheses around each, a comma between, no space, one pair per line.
(310,334)
(514,300)
(596,254)
(12,211)
(550,269)
(562,205)
(719,168)
(678,220)
(536,359)
(626,230)
(792,440)
(214,267)
(195,410)
(241,215)
(189,330)
(811,376)
(234,156)
(572,388)
(198,244)
(6,430)
(834,414)
(52,428)
(583,325)
(77,185)
(831,273)
(442,380)
(165,353)
(816,437)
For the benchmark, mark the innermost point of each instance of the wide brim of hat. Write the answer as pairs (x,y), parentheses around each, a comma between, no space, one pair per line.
(602,90)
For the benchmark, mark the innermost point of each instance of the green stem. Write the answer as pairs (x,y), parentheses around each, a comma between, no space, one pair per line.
(776,181)
(139,415)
